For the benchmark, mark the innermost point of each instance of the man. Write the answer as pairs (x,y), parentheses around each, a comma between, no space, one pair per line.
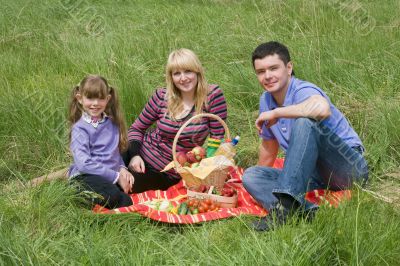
(321,148)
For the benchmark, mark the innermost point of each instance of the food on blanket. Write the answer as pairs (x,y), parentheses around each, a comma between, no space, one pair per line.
(212,206)
(201,209)
(199,152)
(228,192)
(204,206)
(193,203)
(160,205)
(208,201)
(195,206)
(165,206)
(215,191)
(181,158)
(192,206)
(183,209)
(203,188)
(209,205)
(174,210)
(225,192)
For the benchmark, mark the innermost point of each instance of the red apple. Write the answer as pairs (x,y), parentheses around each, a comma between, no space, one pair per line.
(191,157)
(203,188)
(228,192)
(199,152)
(181,158)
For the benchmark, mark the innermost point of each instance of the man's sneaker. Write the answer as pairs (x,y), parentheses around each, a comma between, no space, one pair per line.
(277,216)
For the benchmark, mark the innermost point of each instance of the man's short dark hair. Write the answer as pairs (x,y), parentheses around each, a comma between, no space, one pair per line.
(271,48)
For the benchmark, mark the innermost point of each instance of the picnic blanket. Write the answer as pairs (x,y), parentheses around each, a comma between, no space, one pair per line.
(246,204)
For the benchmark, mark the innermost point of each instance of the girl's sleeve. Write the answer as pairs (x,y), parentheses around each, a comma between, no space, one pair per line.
(217,106)
(147,117)
(83,161)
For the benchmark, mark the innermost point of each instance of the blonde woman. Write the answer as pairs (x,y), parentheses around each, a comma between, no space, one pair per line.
(187,93)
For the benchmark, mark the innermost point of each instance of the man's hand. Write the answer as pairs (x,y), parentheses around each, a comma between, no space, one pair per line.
(269,117)
(125,180)
(137,164)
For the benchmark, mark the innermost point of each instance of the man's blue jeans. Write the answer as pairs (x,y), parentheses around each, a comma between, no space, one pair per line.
(316,159)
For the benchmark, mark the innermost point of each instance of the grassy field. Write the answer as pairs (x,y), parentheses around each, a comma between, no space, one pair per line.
(350,48)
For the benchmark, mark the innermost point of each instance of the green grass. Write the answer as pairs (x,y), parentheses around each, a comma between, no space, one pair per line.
(46,49)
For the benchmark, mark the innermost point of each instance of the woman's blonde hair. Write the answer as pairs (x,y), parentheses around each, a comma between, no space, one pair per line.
(185,59)
(94,86)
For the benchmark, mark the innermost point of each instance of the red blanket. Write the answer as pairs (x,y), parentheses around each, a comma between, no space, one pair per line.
(245,205)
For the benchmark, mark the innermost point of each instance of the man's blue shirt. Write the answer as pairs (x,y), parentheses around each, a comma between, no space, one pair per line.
(298,91)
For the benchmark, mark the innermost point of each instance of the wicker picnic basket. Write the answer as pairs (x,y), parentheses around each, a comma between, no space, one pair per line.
(217,176)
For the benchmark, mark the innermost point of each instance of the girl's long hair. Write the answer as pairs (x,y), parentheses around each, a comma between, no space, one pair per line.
(94,86)
(185,59)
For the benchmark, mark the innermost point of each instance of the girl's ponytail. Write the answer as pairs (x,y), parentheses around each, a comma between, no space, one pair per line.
(115,112)
(74,109)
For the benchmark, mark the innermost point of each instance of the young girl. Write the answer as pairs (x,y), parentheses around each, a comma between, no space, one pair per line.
(97,137)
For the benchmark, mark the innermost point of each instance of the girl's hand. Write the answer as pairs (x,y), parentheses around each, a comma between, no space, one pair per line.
(265,117)
(137,164)
(125,180)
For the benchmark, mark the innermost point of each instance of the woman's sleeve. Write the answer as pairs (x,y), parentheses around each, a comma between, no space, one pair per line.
(82,159)
(147,117)
(217,106)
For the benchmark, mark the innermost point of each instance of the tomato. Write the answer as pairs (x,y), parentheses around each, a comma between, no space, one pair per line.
(208,201)
(195,202)
(212,207)
(204,205)
(190,203)
(201,209)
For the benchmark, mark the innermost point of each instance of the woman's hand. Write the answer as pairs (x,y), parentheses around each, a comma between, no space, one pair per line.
(137,164)
(125,180)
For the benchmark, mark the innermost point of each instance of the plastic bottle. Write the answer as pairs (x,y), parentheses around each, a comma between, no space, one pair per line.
(212,146)
(228,148)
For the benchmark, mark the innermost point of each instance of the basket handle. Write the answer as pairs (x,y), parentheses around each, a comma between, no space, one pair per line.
(187,123)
